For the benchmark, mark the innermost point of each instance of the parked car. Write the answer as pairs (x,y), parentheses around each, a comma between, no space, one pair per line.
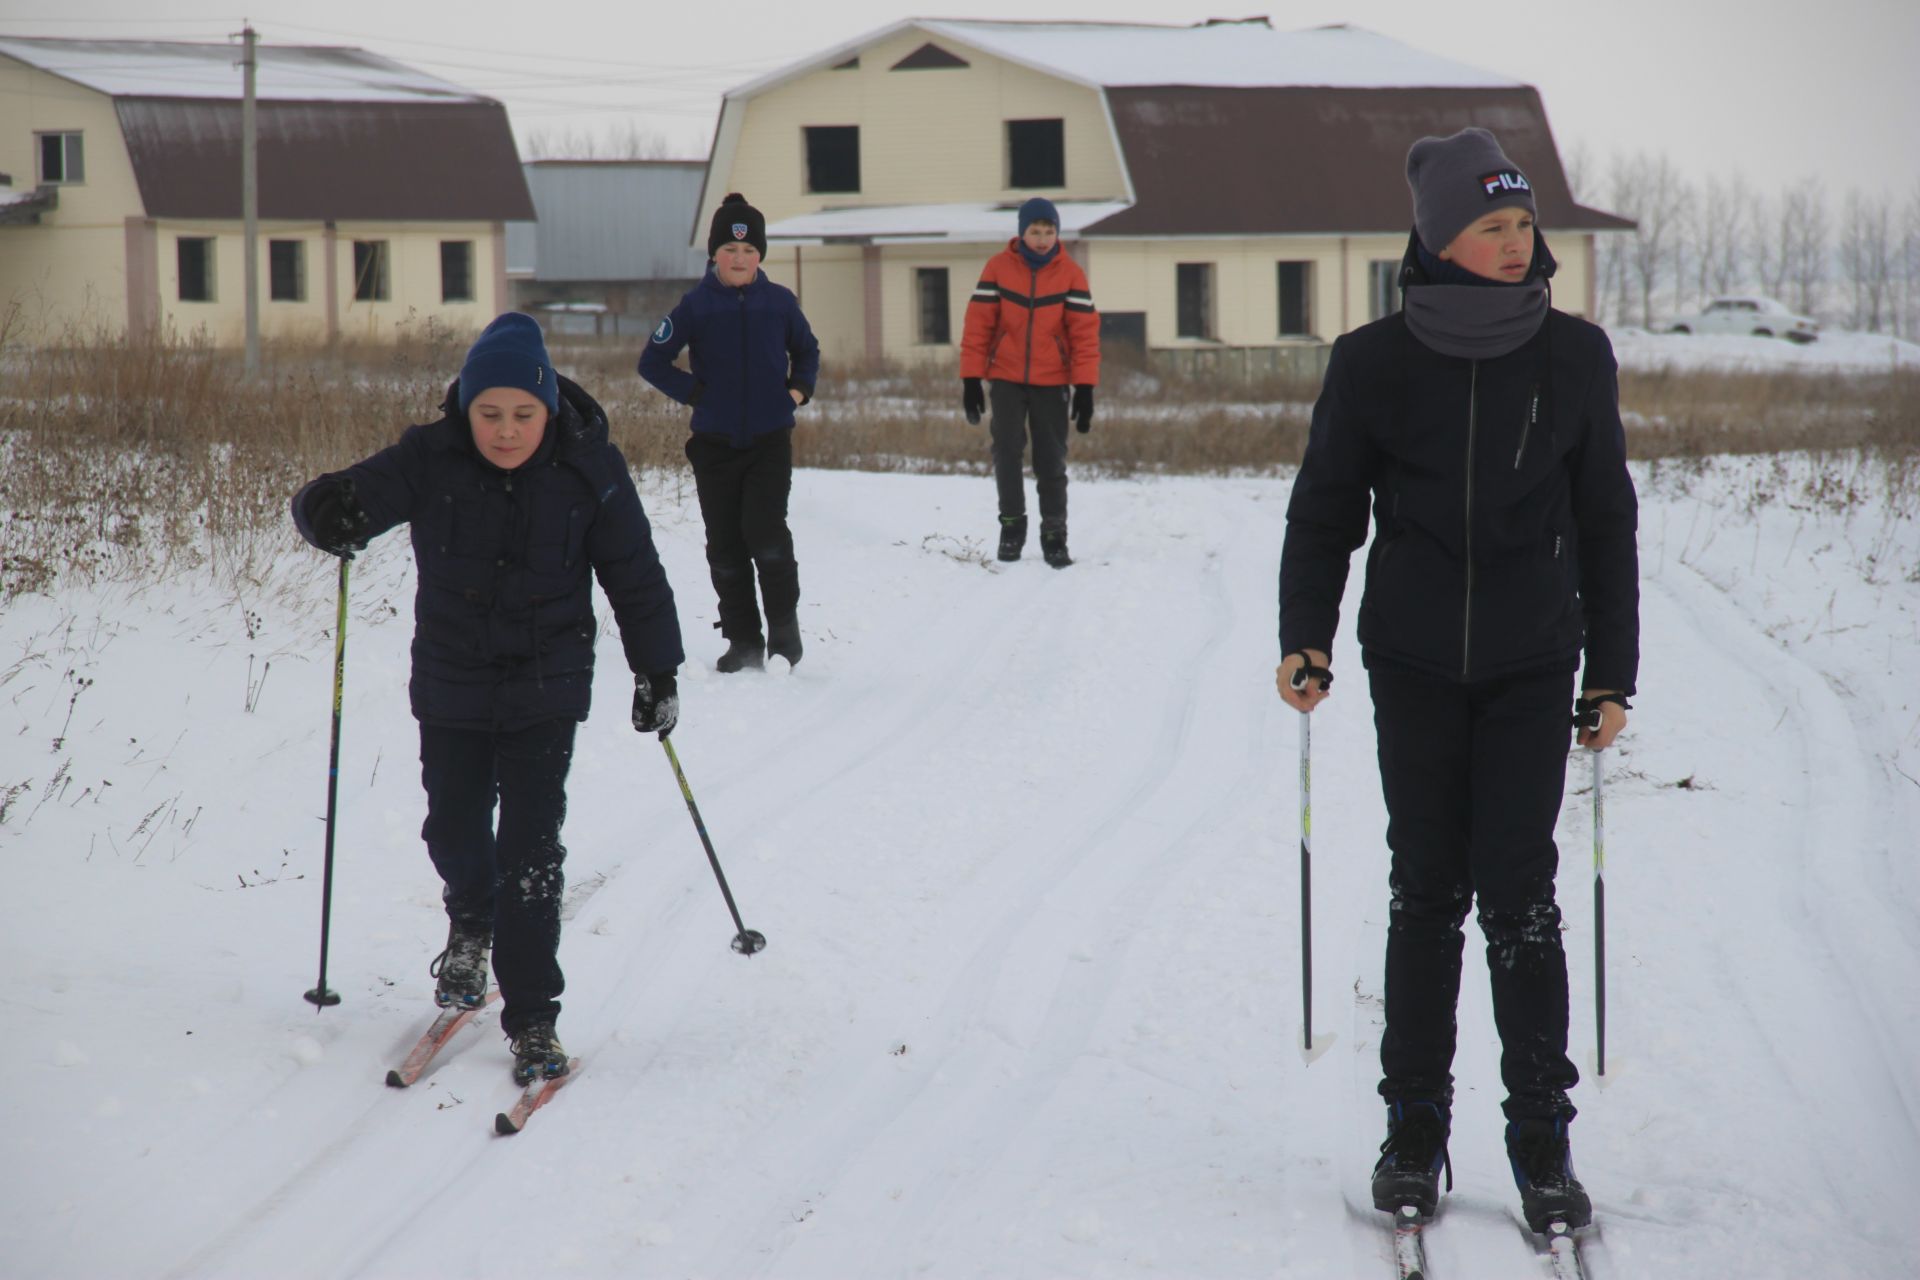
(1749,314)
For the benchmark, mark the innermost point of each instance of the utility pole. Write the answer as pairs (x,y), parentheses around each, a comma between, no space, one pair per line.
(250,200)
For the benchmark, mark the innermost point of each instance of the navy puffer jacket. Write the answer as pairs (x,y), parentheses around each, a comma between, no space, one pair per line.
(751,346)
(503,610)
(1504,514)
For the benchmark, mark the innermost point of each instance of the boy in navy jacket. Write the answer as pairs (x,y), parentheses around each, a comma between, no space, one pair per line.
(754,360)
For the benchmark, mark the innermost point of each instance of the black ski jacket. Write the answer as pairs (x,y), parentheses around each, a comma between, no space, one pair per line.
(1503,511)
(503,608)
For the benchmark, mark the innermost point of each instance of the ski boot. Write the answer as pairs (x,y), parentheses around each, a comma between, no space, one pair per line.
(744,653)
(1412,1157)
(1013,537)
(783,640)
(1543,1170)
(462,967)
(1053,546)
(537,1053)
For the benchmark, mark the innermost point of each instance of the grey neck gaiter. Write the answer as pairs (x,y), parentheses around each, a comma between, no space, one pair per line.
(1476,323)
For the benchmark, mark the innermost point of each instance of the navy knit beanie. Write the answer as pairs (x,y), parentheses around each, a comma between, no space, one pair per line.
(735,219)
(510,352)
(1038,209)
(1458,180)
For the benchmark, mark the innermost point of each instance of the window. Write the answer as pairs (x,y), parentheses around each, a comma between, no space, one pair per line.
(930,293)
(1036,153)
(1296,309)
(287,270)
(62,159)
(370,271)
(195,256)
(929,57)
(833,158)
(456,271)
(1194,285)
(1383,288)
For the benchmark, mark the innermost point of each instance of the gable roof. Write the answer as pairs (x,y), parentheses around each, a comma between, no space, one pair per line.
(343,134)
(170,69)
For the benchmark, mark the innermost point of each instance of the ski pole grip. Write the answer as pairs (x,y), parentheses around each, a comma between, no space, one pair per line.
(1308,672)
(1586,711)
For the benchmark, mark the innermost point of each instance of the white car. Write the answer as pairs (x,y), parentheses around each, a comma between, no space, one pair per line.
(1749,314)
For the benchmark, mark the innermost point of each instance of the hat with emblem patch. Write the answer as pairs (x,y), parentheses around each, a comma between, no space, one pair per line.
(1458,180)
(736,220)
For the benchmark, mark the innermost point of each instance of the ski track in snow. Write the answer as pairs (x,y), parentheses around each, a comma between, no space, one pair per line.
(1023,843)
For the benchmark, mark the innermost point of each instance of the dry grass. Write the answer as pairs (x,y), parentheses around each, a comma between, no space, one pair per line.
(116,457)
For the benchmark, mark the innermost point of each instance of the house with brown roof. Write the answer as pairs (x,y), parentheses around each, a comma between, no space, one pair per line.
(382,192)
(1236,194)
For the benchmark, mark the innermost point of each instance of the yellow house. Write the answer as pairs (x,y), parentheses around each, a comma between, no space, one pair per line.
(1236,194)
(382,193)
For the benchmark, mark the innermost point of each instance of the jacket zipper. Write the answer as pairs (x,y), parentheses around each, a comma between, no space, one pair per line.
(1033,287)
(1466,615)
(1526,427)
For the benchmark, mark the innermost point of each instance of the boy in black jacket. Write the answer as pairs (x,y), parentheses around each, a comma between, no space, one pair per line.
(1484,429)
(516,501)
(754,360)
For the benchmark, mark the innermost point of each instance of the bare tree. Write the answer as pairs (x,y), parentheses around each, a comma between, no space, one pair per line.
(1721,221)
(621,140)
(1867,258)
(1805,223)
(1651,191)
(1907,315)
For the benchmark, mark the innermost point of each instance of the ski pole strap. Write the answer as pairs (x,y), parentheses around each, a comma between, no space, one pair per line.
(1308,672)
(1586,711)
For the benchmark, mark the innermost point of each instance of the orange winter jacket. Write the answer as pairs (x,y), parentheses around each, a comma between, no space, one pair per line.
(1037,327)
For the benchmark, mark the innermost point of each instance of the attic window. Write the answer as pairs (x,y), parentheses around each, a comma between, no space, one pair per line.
(851,64)
(1036,153)
(833,158)
(928,57)
(62,159)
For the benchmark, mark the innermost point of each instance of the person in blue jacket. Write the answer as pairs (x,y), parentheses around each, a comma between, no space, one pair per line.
(753,361)
(1482,428)
(516,501)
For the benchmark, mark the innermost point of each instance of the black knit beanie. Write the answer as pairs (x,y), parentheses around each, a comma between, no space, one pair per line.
(735,219)
(1458,180)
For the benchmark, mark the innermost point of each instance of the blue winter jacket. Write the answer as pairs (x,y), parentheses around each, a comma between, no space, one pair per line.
(503,609)
(750,346)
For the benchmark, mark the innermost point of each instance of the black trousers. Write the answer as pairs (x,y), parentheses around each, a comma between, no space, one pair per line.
(1473,776)
(743,499)
(509,880)
(1020,410)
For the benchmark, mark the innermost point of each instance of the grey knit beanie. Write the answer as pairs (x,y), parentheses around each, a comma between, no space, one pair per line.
(1458,180)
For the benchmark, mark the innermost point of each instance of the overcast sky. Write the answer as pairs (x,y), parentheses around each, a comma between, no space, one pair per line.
(1778,90)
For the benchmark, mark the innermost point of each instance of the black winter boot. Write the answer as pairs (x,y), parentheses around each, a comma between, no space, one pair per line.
(1053,545)
(537,1052)
(1543,1170)
(747,651)
(1412,1157)
(462,967)
(1013,537)
(783,640)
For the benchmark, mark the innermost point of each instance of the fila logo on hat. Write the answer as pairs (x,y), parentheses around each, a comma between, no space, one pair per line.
(739,231)
(1504,182)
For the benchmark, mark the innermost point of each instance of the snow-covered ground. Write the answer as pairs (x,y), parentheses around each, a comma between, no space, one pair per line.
(1837,351)
(1024,847)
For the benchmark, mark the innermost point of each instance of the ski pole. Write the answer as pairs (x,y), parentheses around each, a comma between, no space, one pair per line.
(1307,672)
(746,941)
(1599,912)
(320,996)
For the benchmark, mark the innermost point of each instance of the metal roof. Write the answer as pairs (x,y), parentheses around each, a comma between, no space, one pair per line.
(611,220)
(293,73)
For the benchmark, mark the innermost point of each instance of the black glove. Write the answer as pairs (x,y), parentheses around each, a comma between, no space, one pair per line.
(656,703)
(973,399)
(1083,408)
(339,524)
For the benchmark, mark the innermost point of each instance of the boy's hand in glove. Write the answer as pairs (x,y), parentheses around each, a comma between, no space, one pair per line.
(339,524)
(973,399)
(656,703)
(1083,408)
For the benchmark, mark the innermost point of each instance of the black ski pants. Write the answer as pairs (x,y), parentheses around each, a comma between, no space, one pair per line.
(509,880)
(1473,776)
(1019,410)
(743,499)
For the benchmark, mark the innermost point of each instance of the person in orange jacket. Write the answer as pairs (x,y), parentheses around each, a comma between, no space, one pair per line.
(1033,333)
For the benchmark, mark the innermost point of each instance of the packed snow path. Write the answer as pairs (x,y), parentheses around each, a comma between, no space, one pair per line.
(1023,843)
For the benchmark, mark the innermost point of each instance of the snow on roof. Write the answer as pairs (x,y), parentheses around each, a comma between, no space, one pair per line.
(1220,55)
(290,73)
(987,223)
